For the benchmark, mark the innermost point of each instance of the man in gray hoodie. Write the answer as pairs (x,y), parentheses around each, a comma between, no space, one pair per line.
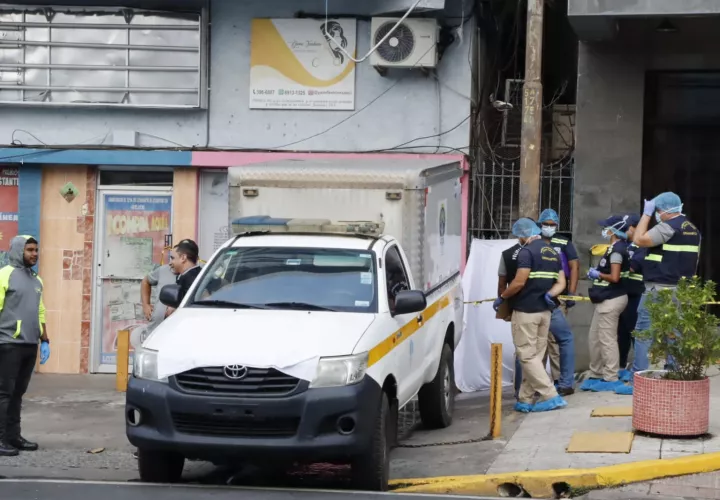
(22,327)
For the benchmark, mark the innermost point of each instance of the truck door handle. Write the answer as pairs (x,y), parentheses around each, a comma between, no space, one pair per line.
(420,318)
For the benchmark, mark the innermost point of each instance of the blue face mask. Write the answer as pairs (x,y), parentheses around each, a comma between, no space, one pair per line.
(658,219)
(606,233)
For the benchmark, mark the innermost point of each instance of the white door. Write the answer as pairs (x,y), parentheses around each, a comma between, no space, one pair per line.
(131,232)
(397,279)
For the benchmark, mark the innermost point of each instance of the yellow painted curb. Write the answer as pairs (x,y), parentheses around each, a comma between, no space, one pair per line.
(548,483)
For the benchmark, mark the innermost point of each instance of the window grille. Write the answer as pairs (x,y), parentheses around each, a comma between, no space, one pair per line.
(101,56)
(495,197)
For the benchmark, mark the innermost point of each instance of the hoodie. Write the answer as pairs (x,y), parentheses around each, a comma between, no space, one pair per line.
(22,311)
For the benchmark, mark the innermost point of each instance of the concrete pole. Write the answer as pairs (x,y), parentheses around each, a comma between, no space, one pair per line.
(532,112)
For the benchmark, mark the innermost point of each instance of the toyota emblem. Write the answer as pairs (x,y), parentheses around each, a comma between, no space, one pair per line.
(235,372)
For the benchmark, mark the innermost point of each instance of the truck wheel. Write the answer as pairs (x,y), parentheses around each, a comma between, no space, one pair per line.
(437,398)
(159,466)
(371,471)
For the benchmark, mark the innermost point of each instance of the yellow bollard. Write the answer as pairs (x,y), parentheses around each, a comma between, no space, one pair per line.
(122,360)
(495,390)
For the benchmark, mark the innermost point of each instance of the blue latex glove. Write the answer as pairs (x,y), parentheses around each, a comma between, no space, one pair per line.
(593,274)
(569,303)
(498,302)
(649,208)
(550,301)
(44,352)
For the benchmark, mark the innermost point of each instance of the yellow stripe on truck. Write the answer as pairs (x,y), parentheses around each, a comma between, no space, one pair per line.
(406,331)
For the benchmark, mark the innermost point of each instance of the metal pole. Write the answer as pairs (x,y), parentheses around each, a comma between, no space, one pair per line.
(532,112)
(495,390)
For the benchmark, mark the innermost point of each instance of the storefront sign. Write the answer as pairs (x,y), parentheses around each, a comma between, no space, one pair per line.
(294,64)
(135,228)
(8,210)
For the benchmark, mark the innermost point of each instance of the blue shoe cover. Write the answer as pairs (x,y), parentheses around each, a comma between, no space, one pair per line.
(551,404)
(603,386)
(523,407)
(625,375)
(624,390)
(589,384)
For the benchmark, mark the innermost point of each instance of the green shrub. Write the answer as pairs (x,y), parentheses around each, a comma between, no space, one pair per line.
(681,326)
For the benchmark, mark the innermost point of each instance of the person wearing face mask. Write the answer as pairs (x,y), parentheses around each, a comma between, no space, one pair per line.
(561,344)
(538,280)
(634,286)
(610,298)
(673,253)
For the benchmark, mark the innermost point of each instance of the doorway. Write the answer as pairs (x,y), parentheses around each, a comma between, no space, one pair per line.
(681,151)
(133,227)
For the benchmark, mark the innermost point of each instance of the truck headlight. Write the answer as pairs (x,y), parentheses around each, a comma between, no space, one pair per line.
(145,365)
(340,371)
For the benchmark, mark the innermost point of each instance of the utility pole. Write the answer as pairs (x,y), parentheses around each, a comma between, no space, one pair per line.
(531,135)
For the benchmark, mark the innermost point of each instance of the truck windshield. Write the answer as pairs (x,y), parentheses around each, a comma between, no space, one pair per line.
(312,279)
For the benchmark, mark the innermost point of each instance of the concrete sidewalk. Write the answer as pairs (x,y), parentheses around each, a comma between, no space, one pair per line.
(540,441)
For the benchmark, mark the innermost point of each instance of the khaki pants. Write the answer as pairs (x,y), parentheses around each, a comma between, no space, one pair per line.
(530,336)
(604,352)
(553,352)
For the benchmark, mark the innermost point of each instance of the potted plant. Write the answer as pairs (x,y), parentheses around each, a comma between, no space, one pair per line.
(676,401)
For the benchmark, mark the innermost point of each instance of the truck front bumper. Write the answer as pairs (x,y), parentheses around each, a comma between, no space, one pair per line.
(317,424)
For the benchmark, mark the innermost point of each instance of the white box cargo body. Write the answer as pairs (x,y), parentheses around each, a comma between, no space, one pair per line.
(419,200)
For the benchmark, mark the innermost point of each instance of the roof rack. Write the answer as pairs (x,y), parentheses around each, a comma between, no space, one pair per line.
(266,224)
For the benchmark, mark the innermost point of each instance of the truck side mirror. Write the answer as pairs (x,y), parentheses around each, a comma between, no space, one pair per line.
(170,295)
(409,301)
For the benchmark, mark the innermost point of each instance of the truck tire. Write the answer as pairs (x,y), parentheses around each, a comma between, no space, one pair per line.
(371,471)
(159,466)
(437,398)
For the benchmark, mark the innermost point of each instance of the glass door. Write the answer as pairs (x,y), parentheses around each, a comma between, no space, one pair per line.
(132,226)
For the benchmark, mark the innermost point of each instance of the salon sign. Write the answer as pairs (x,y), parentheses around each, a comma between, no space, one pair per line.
(302,64)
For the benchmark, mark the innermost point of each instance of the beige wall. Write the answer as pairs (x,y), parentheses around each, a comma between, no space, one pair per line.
(185,204)
(63,264)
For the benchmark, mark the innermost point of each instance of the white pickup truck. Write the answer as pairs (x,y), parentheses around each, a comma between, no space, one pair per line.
(303,337)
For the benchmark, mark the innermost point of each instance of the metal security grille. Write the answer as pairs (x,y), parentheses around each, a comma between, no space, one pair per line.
(495,192)
(101,56)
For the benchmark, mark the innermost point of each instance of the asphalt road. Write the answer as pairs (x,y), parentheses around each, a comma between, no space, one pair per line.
(72,490)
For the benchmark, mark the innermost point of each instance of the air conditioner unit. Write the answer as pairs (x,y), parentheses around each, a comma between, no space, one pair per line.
(413,44)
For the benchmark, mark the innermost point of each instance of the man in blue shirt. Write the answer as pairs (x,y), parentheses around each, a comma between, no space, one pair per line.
(561,345)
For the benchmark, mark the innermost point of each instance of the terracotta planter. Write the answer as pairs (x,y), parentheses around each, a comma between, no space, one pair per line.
(670,407)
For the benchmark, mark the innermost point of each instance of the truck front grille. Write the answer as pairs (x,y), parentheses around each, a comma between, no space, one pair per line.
(214,425)
(258,382)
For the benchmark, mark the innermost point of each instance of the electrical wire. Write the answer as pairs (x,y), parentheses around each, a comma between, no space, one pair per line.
(375,47)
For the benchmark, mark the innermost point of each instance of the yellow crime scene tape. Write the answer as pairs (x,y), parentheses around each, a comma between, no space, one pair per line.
(563,298)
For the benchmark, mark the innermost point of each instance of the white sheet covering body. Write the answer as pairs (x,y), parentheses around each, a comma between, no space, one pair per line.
(472,356)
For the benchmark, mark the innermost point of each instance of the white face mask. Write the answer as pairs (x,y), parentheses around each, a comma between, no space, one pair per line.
(548,231)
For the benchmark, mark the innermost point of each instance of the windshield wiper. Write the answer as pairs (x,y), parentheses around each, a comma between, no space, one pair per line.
(299,305)
(227,303)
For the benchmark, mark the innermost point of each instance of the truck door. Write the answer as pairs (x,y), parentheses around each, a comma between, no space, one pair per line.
(396,280)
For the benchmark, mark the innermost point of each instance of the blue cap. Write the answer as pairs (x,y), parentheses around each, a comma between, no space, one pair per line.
(617,222)
(632,220)
(668,202)
(549,214)
(525,228)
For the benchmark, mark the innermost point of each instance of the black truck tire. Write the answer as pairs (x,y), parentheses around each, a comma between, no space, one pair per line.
(159,466)
(371,471)
(437,398)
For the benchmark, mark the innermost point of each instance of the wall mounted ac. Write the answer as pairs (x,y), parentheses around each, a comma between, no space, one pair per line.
(413,44)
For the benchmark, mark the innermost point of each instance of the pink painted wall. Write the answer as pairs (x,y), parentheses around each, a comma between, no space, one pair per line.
(225,159)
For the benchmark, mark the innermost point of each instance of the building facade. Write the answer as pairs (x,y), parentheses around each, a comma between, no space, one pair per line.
(118,133)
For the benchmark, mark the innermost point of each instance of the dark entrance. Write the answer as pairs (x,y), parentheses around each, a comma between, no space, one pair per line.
(681,151)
